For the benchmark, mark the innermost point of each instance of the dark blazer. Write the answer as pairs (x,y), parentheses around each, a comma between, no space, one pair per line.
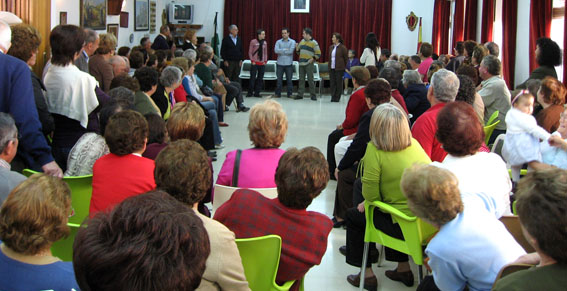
(188,45)
(47,124)
(416,100)
(357,148)
(231,51)
(160,43)
(102,70)
(539,73)
(82,63)
(341,57)
(160,100)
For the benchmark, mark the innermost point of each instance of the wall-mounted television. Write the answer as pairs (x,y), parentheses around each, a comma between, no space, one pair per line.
(180,12)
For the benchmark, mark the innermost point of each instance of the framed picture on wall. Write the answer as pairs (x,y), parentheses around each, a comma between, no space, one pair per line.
(113,29)
(93,14)
(63,18)
(299,6)
(124,19)
(141,14)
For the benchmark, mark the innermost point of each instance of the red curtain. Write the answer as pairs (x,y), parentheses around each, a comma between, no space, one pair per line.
(487,20)
(441,21)
(458,22)
(352,19)
(540,25)
(509,22)
(470,19)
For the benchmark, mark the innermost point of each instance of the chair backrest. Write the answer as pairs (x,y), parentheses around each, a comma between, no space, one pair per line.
(63,248)
(492,117)
(416,232)
(316,75)
(245,69)
(81,192)
(498,144)
(488,129)
(324,71)
(260,259)
(223,194)
(295,70)
(509,269)
(512,224)
(270,70)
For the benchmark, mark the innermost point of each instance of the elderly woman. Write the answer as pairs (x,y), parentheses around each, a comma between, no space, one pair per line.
(461,135)
(551,96)
(190,40)
(25,43)
(256,166)
(471,246)
(390,151)
(32,218)
(169,80)
(415,95)
(73,97)
(548,55)
(99,64)
(338,58)
(479,52)
(467,93)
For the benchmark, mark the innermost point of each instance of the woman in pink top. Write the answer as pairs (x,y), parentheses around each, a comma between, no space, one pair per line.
(267,128)
(258,54)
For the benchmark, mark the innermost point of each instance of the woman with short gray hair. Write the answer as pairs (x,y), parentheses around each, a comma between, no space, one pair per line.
(169,80)
(415,94)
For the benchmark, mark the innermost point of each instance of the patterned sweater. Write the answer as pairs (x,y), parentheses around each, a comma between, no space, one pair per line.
(308,49)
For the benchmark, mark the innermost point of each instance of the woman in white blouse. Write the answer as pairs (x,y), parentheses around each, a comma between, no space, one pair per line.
(372,52)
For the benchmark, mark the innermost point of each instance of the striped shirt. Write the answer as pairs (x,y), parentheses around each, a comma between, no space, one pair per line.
(308,49)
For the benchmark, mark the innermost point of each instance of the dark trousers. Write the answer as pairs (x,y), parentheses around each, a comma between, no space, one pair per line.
(233,91)
(356,227)
(343,196)
(207,141)
(233,71)
(494,135)
(288,77)
(336,78)
(60,155)
(332,140)
(256,82)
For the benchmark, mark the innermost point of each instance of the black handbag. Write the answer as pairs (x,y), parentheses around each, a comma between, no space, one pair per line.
(207,91)
(236,168)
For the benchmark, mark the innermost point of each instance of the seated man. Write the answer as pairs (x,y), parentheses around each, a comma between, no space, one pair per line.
(148,242)
(542,204)
(472,245)
(300,177)
(8,148)
(123,172)
(183,171)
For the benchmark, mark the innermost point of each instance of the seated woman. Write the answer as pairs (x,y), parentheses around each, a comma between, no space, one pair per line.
(551,96)
(33,217)
(461,134)
(157,136)
(471,246)
(542,197)
(123,172)
(256,167)
(99,63)
(148,78)
(467,93)
(300,177)
(554,152)
(415,94)
(390,151)
(169,80)
(159,242)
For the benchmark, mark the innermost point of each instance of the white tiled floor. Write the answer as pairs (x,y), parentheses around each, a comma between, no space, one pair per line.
(310,122)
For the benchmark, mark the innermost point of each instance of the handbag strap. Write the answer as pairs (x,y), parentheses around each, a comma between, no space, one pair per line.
(236,168)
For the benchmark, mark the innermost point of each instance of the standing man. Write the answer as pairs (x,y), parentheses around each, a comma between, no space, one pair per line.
(160,42)
(146,45)
(309,52)
(284,49)
(91,44)
(232,53)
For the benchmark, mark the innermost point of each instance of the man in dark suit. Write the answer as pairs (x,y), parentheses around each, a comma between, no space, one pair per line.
(232,53)
(91,44)
(160,42)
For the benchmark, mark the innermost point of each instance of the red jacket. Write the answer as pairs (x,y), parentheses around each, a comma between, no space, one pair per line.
(398,96)
(424,130)
(356,106)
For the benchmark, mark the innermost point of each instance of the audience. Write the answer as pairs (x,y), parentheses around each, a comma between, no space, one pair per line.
(469,48)
(548,55)
(415,95)
(425,52)
(393,76)
(459,57)
(119,66)
(99,64)
(300,177)
(554,151)
(255,167)
(92,41)
(478,54)
(148,242)
(183,171)
(148,79)
(467,93)
(471,245)
(8,148)
(493,48)
(157,136)
(34,216)
(169,80)
(123,172)
(551,96)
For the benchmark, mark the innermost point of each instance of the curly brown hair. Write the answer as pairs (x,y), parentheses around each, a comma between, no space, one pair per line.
(25,41)
(35,214)
(182,170)
(459,130)
(301,176)
(378,91)
(126,132)
(553,91)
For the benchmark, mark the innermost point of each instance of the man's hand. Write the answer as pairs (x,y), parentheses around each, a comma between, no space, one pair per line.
(206,98)
(340,126)
(225,64)
(52,169)
(360,207)
(349,137)
(336,174)
(558,142)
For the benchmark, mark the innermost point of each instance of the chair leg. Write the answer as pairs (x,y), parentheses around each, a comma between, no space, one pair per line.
(419,274)
(381,256)
(363,266)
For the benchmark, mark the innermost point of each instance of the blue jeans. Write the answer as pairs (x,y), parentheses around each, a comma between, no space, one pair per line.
(212,109)
(288,76)
(256,82)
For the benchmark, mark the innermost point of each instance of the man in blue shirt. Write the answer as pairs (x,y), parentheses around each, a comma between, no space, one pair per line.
(284,49)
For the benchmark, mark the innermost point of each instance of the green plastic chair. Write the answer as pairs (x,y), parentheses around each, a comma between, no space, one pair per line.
(488,129)
(416,233)
(261,258)
(492,118)
(81,191)
(63,248)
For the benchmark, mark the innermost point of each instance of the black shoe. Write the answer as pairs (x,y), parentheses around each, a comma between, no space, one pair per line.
(370,283)
(242,109)
(226,108)
(297,97)
(313,97)
(335,100)
(211,154)
(249,95)
(342,250)
(404,277)
(337,224)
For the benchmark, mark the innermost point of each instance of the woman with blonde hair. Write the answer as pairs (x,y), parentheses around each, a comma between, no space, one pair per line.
(190,40)
(390,151)
(256,166)
(32,218)
(99,65)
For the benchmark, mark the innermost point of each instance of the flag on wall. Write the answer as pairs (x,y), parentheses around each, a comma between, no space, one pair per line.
(419,37)
(215,40)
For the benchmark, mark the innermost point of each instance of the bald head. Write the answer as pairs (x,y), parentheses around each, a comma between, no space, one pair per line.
(119,65)
(5,36)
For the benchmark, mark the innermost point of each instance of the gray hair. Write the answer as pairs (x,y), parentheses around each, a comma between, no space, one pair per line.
(122,93)
(8,130)
(492,48)
(492,65)
(90,36)
(411,77)
(393,64)
(232,26)
(178,53)
(169,76)
(5,36)
(445,85)
(190,54)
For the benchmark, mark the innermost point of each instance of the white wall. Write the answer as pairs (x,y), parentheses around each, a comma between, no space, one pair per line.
(404,41)
(522,43)
(204,14)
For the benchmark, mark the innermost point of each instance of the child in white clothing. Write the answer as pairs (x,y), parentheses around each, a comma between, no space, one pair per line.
(521,144)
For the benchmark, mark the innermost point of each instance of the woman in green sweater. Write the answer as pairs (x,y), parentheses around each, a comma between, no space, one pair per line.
(390,151)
